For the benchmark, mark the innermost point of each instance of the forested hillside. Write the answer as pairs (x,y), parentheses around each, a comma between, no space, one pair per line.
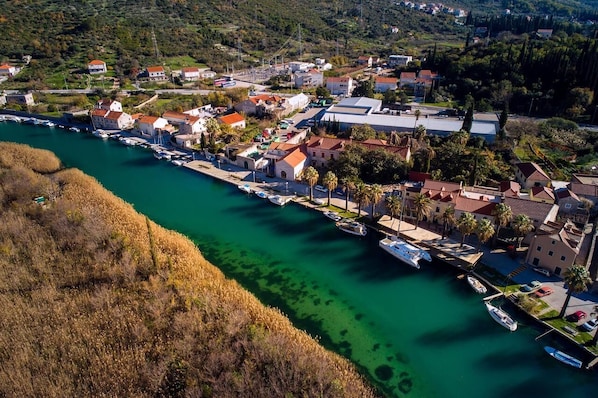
(96,300)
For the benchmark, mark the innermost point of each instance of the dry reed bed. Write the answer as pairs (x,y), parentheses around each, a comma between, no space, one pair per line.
(98,301)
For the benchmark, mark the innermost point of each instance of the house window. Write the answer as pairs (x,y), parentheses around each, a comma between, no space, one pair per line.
(563,258)
(314,154)
(322,154)
(332,156)
(539,248)
(553,242)
(283,174)
(536,261)
(550,253)
(437,209)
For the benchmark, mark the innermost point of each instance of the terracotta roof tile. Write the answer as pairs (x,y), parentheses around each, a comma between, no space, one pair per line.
(232,118)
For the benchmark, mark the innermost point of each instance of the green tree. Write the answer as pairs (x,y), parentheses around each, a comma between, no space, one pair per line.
(484,231)
(394,205)
(417,114)
(322,92)
(466,224)
(310,175)
(448,218)
(348,184)
(330,181)
(468,119)
(375,193)
(360,196)
(577,279)
(422,204)
(362,132)
(522,225)
(502,217)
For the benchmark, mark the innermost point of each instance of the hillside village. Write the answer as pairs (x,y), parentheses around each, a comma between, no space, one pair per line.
(557,210)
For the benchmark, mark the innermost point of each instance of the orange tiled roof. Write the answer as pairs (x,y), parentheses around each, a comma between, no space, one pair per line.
(342,79)
(475,206)
(532,170)
(190,70)
(327,143)
(113,115)
(96,62)
(265,98)
(383,79)
(282,146)
(148,119)
(232,118)
(99,112)
(542,193)
(155,69)
(407,75)
(295,157)
(5,66)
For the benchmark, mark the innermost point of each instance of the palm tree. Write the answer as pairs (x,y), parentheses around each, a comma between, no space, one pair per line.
(502,217)
(484,231)
(360,196)
(422,207)
(330,182)
(417,114)
(576,278)
(375,193)
(467,225)
(394,206)
(348,185)
(522,225)
(310,175)
(448,218)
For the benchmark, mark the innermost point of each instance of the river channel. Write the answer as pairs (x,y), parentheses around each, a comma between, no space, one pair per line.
(412,333)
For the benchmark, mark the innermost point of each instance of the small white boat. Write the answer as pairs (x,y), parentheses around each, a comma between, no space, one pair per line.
(564,358)
(334,216)
(406,252)
(245,188)
(48,123)
(162,155)
(178,162)
(352,227)
(75,129)
(261,195)
(100,134)
(279,200)
(501,317)
(476,284)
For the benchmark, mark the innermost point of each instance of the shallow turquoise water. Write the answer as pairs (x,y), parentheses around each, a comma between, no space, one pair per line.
(414,333)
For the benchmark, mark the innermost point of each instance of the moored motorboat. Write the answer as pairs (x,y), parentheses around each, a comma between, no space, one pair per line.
(100,134)
(178,162)
(476,284)
(334,216)
(279,200)
(563,357)
(261,194)
(501,317)
(245,188)
(406,252)
(352,227)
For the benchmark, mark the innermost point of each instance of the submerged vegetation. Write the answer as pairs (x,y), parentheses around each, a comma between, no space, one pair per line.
(98,300)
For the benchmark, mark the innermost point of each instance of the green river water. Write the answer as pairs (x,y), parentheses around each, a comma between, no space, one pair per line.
(412,333)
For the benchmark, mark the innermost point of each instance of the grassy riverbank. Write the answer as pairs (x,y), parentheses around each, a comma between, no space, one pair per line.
(98,300)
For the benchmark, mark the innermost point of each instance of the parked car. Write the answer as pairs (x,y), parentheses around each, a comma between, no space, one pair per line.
(577,316)
(590,325)
(542,271)
(320,188)
(530,287)
(543,291)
